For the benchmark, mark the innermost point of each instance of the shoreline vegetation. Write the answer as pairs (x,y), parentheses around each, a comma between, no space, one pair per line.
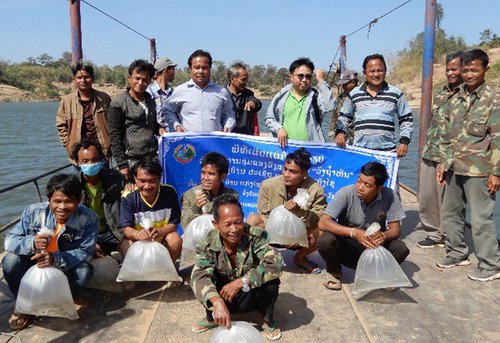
(44,78)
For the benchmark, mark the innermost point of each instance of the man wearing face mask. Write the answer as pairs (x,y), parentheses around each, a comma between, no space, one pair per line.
(101,191)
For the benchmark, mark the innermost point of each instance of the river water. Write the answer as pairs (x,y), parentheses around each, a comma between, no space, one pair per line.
(30,146)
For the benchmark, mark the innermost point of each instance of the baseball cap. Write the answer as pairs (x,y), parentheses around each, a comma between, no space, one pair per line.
(163,63)
(347,76)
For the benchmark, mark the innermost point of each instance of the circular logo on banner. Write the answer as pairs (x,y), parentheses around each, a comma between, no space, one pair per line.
(184,153)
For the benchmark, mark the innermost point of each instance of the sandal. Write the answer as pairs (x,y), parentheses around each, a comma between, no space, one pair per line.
(271,331)
(203,325)
(310,266)
(333,285)
(19,321)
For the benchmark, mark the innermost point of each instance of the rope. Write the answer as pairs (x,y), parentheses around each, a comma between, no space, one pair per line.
(113,18)
(374,21)
(369,25)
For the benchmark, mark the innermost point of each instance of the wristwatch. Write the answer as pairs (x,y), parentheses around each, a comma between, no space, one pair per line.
(246,284)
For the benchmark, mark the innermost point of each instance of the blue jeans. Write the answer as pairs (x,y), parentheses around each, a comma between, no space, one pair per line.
(15,266)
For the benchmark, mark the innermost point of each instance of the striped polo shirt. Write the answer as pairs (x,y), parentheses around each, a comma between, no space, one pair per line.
(374,117)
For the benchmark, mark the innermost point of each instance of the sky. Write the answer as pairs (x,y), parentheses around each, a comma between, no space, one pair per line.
(254,31)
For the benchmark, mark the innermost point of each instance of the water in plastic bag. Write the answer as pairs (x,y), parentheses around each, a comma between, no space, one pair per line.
(194,233)
(105,273)
(284,227)
(45,292)
(377,269)
(240,332)
(148,261)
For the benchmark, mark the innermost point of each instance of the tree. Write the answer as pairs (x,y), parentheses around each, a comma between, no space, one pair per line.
(487,36)
(45,60)
(439,15)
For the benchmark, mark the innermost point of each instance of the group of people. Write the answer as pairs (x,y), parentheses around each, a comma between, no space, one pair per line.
(101,210)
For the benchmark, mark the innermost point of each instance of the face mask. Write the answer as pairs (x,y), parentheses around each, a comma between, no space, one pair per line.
(91,169)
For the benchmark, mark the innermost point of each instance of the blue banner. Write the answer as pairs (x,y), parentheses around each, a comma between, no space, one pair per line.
(253,159)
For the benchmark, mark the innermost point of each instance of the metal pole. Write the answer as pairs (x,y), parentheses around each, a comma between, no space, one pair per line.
(152,50)
(427,68)
(76,31)
(343,54)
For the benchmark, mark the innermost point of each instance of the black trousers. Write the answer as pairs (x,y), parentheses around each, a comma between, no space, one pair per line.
(260,299)
(337,250)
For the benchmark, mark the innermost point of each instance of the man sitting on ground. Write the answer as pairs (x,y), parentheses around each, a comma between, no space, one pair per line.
(153,201)
(198,200)
(102,188)
(348,215)
(236,270)
(72,246)
(280,190)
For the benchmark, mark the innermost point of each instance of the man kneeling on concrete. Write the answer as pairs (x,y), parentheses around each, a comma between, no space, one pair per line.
(343,239)
(69,249)
(154,204)
(236,270)
(102,189)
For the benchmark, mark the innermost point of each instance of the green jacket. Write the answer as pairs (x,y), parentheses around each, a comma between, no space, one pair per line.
(272,194)
(189,208)
(431,148)
(471,146)
(255,259)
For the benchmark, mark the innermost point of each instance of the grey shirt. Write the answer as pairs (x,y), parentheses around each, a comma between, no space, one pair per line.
(349,210)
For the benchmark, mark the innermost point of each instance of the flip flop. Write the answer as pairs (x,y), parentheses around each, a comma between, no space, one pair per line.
(310,266)
(271,331)
(19,321)
(333,285)
(203,325)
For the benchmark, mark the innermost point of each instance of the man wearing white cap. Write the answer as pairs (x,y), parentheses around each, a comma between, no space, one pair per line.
(160,89)
(348,80)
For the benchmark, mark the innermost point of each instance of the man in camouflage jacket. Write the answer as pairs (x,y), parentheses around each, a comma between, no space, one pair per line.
(199,199)
(470,166)
(430,193)
(236,269)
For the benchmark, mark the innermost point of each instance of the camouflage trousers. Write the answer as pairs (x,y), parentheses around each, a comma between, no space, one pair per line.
(473,191)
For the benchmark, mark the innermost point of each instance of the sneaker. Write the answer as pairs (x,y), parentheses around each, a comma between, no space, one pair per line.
(449,262)
(429,243)
(483,275)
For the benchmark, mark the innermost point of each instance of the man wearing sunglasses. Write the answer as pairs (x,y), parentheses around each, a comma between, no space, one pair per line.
(296,112)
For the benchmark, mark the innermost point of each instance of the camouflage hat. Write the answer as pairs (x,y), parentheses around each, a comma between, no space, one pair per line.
(347,76)
(163,63)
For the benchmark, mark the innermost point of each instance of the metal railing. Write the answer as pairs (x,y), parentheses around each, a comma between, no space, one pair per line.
(25,182)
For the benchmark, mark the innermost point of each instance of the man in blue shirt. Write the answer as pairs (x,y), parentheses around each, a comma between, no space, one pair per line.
(373,108)
(199,105)
(160,90)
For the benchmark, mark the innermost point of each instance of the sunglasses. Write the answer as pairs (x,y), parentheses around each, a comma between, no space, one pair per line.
(302,76)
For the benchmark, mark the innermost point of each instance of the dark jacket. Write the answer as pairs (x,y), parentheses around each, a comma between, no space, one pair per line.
(112,187)
(132,132)
(244,119)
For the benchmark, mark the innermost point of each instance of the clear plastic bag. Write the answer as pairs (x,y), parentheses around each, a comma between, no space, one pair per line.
(240,332)
(45,292)
(105,273)
(194,233)
(377,269)
(284,227)
(148,261)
